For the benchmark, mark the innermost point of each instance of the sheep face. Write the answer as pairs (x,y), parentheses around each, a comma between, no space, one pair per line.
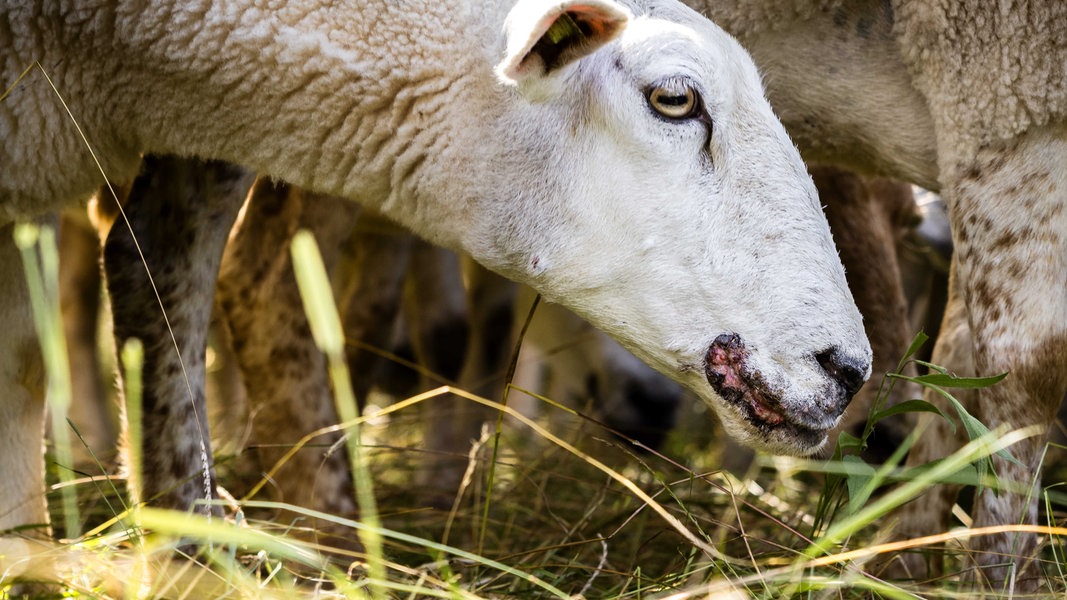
(669,208)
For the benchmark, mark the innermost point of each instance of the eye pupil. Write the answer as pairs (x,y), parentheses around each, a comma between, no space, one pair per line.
(674,99)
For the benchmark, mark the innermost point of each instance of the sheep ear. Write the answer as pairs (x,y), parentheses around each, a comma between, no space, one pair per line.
(545,36)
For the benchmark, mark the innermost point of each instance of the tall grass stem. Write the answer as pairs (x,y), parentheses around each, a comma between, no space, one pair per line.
(325,323)
(40,260)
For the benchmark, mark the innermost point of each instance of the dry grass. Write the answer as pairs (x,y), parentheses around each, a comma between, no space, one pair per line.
(556,520)
(553,505)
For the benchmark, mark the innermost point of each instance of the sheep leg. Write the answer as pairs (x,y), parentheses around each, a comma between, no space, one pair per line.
(22,503)
(25,551)
(180,212)
(79,300)
(1009,218)
(436,310)
(371,296)
(437,316)
(491,335)
(492,310)
(437,321)
(284,372)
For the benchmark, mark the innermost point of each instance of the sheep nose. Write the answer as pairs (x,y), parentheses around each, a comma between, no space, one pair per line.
(850,373)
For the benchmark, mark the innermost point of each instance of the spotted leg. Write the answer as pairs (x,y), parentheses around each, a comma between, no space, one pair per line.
(1010,231)
(180,212)
(284,372)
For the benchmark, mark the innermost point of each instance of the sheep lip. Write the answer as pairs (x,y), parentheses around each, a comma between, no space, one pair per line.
(734,387)
(726,370)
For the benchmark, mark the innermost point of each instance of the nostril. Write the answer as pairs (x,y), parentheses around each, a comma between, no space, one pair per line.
(843,370)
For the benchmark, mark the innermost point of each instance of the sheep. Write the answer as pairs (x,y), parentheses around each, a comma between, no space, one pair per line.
(871,111)
(968,99)
(869,220)
(654,193)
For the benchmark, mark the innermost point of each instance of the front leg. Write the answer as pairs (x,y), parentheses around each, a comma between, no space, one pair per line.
(1010,231)
(180,212)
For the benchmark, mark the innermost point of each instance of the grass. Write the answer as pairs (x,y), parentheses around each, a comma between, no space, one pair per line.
(574,511)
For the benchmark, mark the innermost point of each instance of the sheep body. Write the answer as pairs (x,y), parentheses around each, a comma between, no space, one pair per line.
(95,53)
(835,75)
(989,72)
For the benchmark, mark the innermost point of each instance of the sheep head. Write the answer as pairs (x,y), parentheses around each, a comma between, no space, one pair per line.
(653,191)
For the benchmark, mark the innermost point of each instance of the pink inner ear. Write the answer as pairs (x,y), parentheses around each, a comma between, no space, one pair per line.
(595,21)
(600,22)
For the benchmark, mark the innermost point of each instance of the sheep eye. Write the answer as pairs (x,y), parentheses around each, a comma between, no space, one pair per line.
(675,99)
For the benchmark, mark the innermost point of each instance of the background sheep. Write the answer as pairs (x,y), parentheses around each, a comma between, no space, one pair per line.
(968,99)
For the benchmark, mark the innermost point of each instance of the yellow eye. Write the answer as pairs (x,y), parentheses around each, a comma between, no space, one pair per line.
(674,99)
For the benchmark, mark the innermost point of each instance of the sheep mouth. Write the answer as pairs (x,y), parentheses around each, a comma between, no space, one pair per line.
(727,371)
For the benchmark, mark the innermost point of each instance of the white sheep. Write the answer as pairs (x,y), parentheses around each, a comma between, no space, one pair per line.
(969,99)
(622,160)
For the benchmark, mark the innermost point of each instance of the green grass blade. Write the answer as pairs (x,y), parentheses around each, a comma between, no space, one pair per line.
(975,450)
(946,380)
(418,541)
(916,343)
(132,358)
(325,322)
(40,259)
(912,406)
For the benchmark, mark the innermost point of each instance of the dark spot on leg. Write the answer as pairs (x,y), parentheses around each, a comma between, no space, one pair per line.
(863,27)
(840,18)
